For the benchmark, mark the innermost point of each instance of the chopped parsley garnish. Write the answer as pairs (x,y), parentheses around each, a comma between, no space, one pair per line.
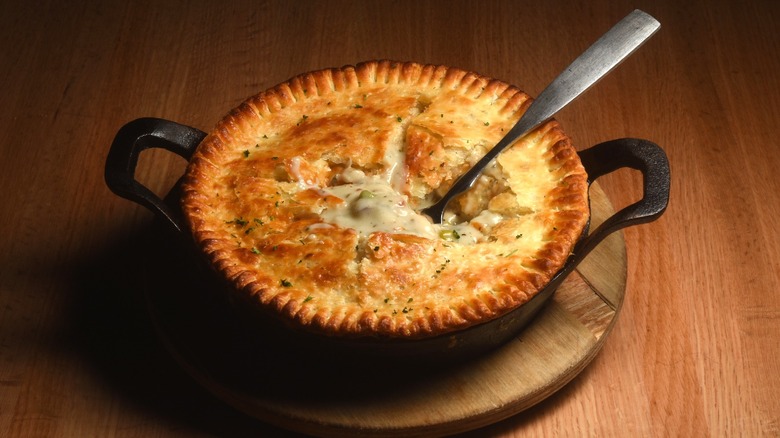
(443,265)
(238,221)
(285,283)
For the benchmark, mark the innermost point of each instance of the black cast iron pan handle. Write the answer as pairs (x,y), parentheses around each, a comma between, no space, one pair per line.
(642,155)
(607,157)
(130,141)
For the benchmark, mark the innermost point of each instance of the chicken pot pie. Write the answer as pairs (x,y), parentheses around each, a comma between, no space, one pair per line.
(306,200)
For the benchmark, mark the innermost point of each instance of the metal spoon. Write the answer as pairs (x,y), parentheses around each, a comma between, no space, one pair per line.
(598,60)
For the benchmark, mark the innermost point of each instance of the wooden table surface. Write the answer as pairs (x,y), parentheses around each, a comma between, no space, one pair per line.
(696,346)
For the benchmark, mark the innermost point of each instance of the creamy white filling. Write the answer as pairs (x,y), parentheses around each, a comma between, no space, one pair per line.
(487,219)
(373,205)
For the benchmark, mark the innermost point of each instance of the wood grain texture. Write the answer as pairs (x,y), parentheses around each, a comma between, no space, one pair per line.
(694,351)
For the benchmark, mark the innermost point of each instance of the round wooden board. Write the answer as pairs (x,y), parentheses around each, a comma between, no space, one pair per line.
(307,397)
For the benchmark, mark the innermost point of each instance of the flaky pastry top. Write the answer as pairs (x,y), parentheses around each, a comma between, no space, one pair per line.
(305,199)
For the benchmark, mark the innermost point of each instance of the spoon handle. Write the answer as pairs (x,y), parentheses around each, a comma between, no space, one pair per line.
(598,60)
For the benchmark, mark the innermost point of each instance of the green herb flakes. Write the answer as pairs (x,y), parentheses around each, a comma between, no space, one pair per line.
(237,221)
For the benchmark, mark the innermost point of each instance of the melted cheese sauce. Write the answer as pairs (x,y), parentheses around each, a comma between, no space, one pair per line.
(372,204)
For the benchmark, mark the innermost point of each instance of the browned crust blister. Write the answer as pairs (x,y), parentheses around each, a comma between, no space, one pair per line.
(250,200)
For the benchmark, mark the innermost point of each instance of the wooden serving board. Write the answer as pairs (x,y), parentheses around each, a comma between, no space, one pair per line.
(305,396)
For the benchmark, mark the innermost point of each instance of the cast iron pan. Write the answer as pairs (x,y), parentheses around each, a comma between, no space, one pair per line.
(604,158)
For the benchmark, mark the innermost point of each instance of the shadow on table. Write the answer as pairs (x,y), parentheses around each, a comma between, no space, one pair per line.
(112,330)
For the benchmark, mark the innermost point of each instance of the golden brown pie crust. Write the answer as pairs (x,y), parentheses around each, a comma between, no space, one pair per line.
(255,191)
